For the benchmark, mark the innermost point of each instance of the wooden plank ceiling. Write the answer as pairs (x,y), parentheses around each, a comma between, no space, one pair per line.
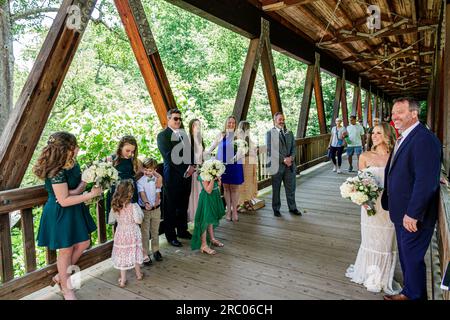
(398,58)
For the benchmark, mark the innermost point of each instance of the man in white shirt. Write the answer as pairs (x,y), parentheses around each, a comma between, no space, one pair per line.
(355,140)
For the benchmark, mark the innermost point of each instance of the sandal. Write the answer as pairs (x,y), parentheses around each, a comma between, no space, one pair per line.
(122,284)
(216,243)
(208,250)
(139,276)
(248,206)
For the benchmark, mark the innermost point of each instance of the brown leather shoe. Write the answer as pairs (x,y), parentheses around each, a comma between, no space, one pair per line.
(396,297)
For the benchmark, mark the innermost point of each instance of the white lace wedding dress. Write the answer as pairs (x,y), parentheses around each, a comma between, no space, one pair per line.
(377,256)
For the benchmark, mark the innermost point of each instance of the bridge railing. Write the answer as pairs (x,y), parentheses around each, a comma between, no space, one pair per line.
(310,151)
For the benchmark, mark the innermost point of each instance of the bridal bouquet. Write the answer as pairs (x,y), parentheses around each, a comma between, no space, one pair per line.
(362,190)
(100,174)
(211,169)
(241,146)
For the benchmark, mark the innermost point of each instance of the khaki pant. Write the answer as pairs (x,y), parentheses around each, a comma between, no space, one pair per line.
(150,224)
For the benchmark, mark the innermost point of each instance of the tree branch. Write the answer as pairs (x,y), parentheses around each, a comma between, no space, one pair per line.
(31,12)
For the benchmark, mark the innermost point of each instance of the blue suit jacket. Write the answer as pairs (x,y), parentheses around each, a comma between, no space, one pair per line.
(411,185)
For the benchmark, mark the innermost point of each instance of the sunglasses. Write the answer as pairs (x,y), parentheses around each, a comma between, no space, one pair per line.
(176,119)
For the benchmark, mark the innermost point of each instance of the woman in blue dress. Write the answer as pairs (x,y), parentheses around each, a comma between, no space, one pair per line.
(234,172)
(65,223)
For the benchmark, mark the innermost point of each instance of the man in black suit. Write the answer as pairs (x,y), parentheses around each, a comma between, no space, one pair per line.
(174,145)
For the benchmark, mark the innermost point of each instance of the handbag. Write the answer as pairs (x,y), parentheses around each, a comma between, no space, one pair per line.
(138,215)
(340,142)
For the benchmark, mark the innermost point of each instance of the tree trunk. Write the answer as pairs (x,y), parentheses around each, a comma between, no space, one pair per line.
(6,64)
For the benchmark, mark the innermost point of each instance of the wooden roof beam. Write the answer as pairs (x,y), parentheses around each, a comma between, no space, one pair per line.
(275,5)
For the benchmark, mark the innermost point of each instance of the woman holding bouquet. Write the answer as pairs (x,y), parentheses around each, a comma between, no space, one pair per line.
(233,177)
(65,223)
(377,256)
(210,208)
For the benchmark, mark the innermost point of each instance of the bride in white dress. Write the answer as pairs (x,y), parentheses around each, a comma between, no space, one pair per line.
(377,256)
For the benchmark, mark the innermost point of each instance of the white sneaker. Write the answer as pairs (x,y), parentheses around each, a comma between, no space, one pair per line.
(339,170)
(334,169)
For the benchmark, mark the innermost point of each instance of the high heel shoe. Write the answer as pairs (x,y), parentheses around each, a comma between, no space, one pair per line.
(56,281)
(208,250)
(235,217)
(228,217)
(216,243)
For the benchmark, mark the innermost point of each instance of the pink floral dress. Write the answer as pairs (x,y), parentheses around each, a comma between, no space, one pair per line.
(127,249)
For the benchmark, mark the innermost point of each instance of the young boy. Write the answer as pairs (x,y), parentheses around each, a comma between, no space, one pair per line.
(149,188)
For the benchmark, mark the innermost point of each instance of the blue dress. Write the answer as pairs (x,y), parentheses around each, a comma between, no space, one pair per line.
(234,172)
(62,227)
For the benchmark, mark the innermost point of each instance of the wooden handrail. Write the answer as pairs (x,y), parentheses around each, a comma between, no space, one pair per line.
(310,151)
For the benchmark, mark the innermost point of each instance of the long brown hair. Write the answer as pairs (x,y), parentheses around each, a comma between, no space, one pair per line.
(58,154)
(123,194)
(191,133)
(388,135)
(131,141)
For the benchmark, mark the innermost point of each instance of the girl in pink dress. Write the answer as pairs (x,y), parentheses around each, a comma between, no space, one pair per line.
(127,250)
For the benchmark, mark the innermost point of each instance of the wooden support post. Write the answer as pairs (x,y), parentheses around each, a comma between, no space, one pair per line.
(319,96)
(355,101)
(375,107)
(33,107)
(337,101)
(369,109)
(144,47)
(6,261)
(344,100)
(50,256)
(101,221)
(270,78)
(306,102)
(430,106)
(29,247)
(248,77)
(359,111)
(446,88)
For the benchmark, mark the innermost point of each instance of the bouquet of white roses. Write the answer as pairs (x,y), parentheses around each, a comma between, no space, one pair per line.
(240,149)
(362,189)
(211,169)
(100,174)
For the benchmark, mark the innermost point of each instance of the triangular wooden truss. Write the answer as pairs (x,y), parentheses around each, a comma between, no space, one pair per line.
(260,49)
(41,89)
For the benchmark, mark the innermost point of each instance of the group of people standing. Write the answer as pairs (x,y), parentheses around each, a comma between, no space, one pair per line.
(407,168)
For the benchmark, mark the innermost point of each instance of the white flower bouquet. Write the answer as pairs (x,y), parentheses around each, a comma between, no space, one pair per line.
(362,189)
(241,146)
(211,169)
(100,174)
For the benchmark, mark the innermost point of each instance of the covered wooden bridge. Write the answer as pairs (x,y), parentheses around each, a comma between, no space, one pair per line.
(385,48)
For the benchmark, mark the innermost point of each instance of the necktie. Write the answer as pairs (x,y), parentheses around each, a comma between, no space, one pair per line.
(397,145)
(283,136)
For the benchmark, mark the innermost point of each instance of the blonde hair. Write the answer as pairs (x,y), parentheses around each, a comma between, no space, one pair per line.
(58,154)
(123,194)
(388,136)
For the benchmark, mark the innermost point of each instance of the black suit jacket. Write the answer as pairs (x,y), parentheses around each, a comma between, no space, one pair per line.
(176,157)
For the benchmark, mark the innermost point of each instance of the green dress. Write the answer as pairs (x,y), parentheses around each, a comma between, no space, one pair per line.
(62,227)
(209,211)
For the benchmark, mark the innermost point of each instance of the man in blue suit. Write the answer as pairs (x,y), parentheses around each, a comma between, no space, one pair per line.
(411,194)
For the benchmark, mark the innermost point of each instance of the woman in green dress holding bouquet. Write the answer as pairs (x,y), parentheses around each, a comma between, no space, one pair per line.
(65,224)
(210,207)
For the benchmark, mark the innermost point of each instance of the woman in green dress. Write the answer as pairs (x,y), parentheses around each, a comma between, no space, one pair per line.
(209,212)
(65,223)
